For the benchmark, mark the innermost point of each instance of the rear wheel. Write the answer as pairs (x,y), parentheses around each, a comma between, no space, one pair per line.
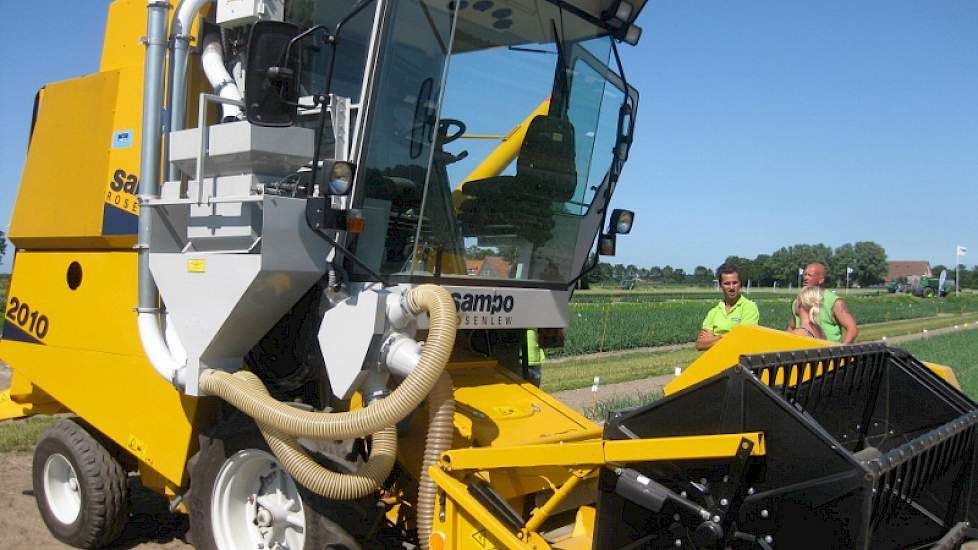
(242,499)
(79,485)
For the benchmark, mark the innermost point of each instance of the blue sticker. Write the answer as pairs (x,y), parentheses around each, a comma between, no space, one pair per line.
(122,140)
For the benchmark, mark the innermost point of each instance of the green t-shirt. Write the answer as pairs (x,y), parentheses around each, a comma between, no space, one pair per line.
(534,353)
(826,320)
(720,321)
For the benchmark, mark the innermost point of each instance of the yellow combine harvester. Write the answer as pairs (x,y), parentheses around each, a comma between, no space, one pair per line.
(266,267)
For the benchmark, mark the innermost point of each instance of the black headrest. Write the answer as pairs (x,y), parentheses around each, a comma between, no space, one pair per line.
(547,160)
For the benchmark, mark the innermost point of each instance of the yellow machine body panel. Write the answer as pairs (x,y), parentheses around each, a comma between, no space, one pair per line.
(81,346)
(81,177)
(124,29)
(496,408)
(748,339)
(61,202)
(569,469)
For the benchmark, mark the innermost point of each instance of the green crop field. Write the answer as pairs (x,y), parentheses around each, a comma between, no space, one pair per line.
(4,286)
(612,322)
(673,293)
(957,350)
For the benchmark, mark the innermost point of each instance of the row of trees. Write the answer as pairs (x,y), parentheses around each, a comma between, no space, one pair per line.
(867,260)
(969,277)
(668,274)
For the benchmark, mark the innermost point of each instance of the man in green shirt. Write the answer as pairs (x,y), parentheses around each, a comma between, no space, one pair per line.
(732,311)
(835,320)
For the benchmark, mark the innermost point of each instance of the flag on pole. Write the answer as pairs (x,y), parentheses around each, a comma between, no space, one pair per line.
(849,270)
(962,250)
(801,271)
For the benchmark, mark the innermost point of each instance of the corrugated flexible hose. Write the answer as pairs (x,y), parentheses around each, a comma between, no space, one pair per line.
(316,477)
(361,422)
(281,423)
(441,410)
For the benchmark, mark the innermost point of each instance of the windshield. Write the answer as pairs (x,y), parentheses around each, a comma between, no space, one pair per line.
(351,58)
(499,186)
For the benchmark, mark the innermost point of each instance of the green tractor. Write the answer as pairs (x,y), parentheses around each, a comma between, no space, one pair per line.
(924,287)
(930,287)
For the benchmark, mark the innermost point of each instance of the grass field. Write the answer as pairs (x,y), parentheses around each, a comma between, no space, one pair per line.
(20,435)
(580,372)
(613,322)
(957,350)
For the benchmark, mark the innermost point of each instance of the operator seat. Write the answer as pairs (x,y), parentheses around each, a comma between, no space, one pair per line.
(546,162)
(546,173)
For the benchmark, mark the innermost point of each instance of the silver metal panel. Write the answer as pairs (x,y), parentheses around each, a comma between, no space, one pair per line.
(223,225)
(288,244)
(200,292)
(240,147)
(345,337)
(222,304)
(481,307)
(169,223)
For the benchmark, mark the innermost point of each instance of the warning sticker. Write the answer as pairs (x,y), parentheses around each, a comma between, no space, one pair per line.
(482,539)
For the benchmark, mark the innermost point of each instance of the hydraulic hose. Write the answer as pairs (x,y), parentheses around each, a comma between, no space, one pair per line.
(319,479)
(441,411)
(361,422)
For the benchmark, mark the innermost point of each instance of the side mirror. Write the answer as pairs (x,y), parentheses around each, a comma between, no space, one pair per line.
(271,80)
(621,221)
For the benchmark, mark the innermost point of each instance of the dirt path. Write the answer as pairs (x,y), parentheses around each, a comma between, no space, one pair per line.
(929,333)
(151,526)
(583,398)
(604,354)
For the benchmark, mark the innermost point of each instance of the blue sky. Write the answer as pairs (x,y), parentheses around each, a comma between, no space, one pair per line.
(761,123)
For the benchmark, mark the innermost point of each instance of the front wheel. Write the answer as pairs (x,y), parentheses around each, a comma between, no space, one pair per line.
(242,499)
(79,485)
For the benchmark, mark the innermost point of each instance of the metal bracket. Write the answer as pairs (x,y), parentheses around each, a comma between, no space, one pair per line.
(732,493)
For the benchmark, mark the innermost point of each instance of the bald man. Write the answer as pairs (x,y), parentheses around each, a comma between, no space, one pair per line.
(835,320)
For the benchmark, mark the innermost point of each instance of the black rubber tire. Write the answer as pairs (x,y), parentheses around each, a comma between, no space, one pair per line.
(332,525)
(101,480)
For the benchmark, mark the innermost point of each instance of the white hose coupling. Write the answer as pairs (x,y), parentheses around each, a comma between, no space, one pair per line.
(399,313)
(400,354)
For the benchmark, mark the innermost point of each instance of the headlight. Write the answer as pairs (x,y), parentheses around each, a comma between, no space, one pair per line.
(340,178)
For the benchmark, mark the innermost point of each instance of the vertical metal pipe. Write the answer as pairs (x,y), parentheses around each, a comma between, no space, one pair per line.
(182,24)
(148,312)
(149,160)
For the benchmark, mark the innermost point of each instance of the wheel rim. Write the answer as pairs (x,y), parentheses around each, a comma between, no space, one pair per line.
(256,505)
(61,489)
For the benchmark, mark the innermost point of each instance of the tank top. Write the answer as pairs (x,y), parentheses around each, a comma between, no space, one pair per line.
(832,330)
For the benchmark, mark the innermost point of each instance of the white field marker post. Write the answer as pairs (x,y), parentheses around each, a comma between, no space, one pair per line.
(594,392)
(958,252)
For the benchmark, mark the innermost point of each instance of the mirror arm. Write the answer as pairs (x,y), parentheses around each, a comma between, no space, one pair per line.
(300,36)
(333,41)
